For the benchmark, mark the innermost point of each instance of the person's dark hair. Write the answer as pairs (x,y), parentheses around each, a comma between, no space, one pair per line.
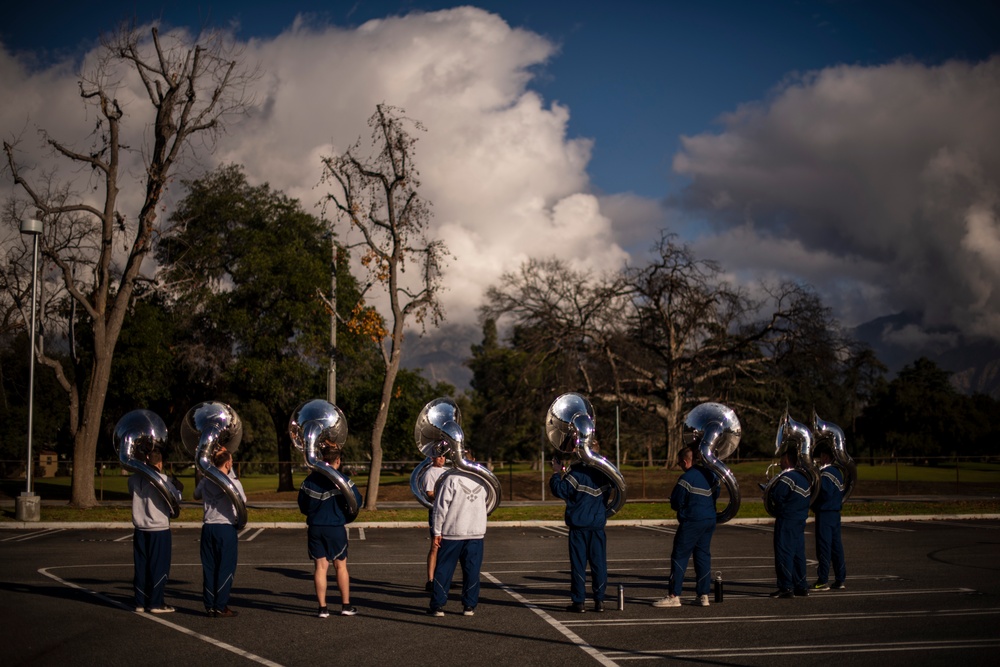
(221,457)
(823,449)
(330,454)
(155,457)
(793,456)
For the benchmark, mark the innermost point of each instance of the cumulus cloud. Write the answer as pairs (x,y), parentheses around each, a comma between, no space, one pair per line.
(504,179)
(879,185)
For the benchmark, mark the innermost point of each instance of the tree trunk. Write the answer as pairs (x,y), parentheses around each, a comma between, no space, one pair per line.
(375,473)
(85,442)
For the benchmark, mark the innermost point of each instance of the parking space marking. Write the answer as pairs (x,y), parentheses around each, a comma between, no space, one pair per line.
(956,524)
(259,531)
(557,625)
(31,536)
(879,529)
(157,619)
(710,654)
(785,618)
(560,530)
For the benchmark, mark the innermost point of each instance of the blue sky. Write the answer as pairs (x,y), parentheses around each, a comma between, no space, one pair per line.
(851,146)
(635,74)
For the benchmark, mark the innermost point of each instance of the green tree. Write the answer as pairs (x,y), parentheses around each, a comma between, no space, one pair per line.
(919,414)
(246,266)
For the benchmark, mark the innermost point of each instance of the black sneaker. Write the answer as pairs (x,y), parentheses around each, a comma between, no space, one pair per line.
(348,610)
(576,608)
(469,611)
(838,586)
(782,593)
(599,606)
(820,586)
(801,593)
(324,612)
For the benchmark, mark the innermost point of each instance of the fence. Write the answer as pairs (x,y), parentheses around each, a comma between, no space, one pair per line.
(528,480)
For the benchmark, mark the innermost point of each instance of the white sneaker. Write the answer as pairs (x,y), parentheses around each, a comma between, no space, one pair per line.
(701,601)
(669,601)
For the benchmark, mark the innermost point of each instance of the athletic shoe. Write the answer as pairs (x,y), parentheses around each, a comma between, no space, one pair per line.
(598,606)
(469,611)
(140,610)
(801,592)
(669,601)
(211,613)
(227,613)
(820,586)
(162,610)
(576,608)
(324,612)
(701,601)
(348,610)
(435,612)
(782,593)
(838,586)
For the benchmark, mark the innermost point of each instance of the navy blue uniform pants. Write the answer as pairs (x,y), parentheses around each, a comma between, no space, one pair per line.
(790,553)
(588,545)
(452,552)
(151,556)
(829,547)
(692,537)
(218,563)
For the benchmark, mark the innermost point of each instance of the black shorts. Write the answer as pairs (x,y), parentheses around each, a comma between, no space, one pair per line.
(328,542)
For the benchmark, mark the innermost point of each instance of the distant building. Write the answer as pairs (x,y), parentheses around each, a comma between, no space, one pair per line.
(48,463)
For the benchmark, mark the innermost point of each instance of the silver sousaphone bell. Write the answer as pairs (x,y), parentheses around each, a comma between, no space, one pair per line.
(713,431)
(569,428)
(796,436)
(438,432)
(315,426)
(205,429)
(137,434)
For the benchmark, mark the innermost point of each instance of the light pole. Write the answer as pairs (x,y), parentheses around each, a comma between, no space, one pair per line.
(28,507)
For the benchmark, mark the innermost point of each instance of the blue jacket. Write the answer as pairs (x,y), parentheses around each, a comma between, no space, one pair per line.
(322,502)
(791,496)
(831,491)
(586,491)
(694,495)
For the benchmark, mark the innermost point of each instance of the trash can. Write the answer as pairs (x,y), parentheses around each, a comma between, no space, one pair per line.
(28,507)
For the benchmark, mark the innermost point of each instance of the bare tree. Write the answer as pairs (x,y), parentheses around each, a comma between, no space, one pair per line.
(660,338)
(96,247)
(377,192)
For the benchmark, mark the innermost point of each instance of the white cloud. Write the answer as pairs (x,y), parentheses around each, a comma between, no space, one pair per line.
(879,185)
(505,180)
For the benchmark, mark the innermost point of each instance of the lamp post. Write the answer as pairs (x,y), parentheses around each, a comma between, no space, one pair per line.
(28,507)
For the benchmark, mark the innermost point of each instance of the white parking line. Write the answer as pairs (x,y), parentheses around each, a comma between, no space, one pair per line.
(156,619)
(709,654)
(562,629)
(31,536)
(878,529)
(795,618)
(259,531)
(561,530)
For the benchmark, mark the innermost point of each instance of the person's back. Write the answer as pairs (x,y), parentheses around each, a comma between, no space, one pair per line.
(792,496)
(694,495)
(585,490)
(460,507)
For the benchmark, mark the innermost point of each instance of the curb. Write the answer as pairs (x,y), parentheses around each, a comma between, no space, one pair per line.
(367,525)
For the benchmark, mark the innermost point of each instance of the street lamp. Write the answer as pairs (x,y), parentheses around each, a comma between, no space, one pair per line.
(28,507)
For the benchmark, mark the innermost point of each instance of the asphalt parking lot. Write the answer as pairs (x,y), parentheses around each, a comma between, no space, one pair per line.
(919,592)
